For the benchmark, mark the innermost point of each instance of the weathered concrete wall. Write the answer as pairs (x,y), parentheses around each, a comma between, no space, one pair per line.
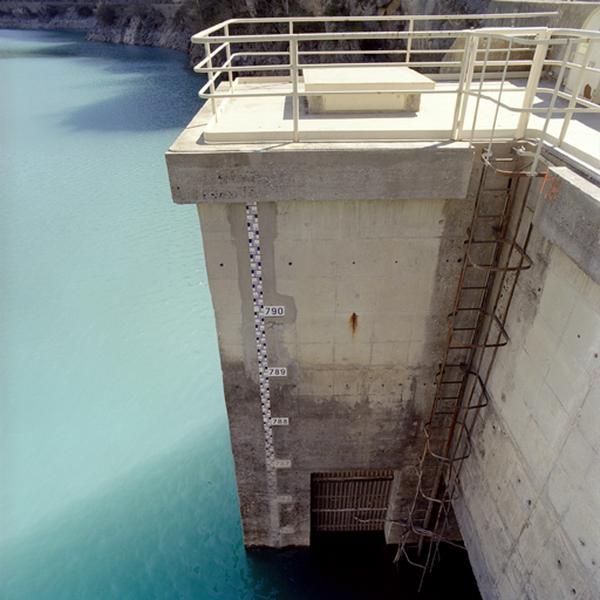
(355,396)
(530,507)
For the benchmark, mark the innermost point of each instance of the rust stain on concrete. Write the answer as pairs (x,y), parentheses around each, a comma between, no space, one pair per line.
(353,320)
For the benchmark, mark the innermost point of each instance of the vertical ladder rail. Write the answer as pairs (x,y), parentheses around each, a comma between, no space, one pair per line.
(461,393)
(473,410)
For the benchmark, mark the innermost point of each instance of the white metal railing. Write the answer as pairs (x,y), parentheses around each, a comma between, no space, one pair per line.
(468,58)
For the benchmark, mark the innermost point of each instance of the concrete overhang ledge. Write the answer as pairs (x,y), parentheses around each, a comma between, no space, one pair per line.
(568,215)
(319,171)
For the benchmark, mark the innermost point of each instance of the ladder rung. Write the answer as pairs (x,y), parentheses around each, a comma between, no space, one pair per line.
(478,266)
(474,287)
(489,216)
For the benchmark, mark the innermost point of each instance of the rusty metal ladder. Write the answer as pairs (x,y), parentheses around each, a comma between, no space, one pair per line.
(491,263)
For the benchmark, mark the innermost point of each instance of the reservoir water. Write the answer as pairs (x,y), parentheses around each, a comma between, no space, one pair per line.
(116,476)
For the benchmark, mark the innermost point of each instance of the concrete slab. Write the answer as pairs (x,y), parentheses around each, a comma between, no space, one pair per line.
(323,173)
(393,79)
(318,171)
(403,84)
(269,119)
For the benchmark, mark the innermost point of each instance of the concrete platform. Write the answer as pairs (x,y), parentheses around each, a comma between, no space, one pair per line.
(237,172)
(269,119)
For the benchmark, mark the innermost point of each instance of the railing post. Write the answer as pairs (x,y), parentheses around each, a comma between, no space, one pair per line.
(228,57)
(533,82)
(411,27)
(294,73)
(464,87)
(575,92)
(550,112)
(480,88)
(459,90)
(211,79)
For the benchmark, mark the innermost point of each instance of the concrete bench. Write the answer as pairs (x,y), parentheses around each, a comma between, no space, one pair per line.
(399,88)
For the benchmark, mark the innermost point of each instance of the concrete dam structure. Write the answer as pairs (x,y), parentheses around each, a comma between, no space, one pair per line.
(401,226)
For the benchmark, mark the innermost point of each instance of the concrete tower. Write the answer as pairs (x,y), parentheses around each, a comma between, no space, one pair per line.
(404,264)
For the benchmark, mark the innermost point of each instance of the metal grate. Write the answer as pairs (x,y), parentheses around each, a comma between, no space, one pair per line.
(350,500)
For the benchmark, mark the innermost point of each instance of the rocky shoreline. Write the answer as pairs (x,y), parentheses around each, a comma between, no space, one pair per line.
(170,24)
(140,26)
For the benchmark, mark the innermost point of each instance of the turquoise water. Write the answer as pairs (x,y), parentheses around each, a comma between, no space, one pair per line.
(116,475)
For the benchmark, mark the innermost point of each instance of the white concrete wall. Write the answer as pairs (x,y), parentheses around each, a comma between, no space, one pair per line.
(530,509)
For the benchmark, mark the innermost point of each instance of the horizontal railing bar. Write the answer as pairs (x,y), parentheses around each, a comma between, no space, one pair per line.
(563,110)
(322,91)
(362,52)
(347,65)
(369,35)
(371,18)
(571,65)
(578,99)
(209,30)
(498,33)
(412,51)
(210,56)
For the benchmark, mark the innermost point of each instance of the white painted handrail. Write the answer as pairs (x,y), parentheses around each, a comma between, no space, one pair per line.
(466,57)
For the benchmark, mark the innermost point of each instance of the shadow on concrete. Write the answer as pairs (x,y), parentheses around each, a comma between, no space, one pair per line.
(306,115)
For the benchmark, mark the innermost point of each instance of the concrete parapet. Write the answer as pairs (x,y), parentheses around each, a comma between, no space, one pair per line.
(568,215)
(318,171)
